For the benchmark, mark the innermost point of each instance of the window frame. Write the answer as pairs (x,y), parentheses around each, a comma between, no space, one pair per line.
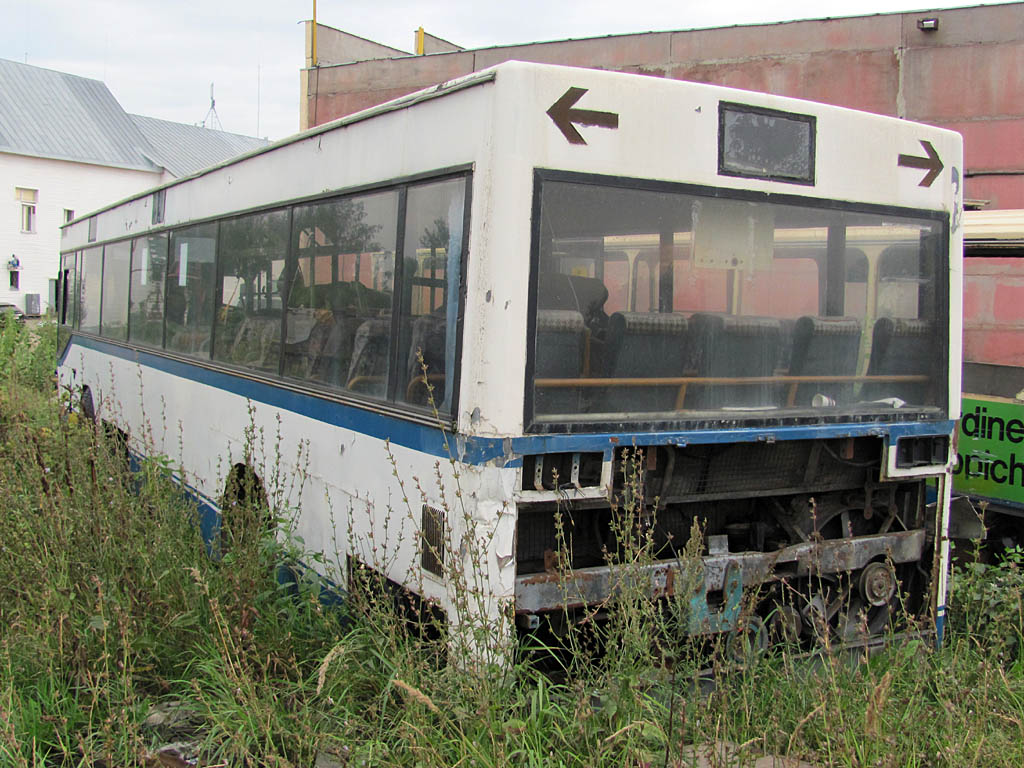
(640,424)
(388,405)
(28,218)
(811,121)
(28,197)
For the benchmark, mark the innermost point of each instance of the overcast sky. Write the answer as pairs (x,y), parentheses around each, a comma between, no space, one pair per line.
(158,57)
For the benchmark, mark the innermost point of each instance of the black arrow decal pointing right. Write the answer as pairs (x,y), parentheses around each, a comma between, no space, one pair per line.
(932,163)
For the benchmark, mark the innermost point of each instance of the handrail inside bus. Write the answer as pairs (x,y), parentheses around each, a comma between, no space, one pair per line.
(678,380)
(683,381)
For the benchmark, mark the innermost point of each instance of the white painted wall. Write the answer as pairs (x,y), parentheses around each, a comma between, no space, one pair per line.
(78,186)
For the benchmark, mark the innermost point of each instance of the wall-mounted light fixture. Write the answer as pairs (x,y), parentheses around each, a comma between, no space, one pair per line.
(928,25)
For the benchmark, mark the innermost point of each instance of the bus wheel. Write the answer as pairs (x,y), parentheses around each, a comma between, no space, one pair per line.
(747,641)
(871,602)
(117,444)
(86,404)
(244,511)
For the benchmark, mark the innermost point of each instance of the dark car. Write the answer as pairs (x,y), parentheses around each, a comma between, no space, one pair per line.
(11,309)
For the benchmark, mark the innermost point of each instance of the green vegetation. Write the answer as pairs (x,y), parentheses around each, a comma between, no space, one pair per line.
(119,635)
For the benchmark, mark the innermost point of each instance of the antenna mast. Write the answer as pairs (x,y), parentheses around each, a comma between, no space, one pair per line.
(211,114)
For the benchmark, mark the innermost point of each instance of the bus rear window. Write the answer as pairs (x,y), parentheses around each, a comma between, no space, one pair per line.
(664,305)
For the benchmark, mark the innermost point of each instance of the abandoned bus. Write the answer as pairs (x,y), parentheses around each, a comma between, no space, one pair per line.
(988,468)
(467,311)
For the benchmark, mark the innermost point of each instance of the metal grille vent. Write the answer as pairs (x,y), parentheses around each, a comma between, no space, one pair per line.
(432,536)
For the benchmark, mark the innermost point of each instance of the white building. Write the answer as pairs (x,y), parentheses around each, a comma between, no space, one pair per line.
(67,148)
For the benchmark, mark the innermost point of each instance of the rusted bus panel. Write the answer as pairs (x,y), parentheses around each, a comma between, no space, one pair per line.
(549,591)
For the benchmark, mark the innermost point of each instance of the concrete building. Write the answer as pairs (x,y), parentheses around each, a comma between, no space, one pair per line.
(67,148)
(961,68)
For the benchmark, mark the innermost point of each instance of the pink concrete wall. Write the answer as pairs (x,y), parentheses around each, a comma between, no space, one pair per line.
(968,75)
(994,310)
(859,79)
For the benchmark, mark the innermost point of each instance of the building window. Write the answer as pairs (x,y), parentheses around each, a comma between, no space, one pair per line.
(14,279)
(159,201)
(92,230)
(69,215)
(28,198)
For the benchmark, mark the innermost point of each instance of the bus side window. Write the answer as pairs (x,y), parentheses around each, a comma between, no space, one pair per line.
(116,272)
(432,257)
(993,325)
(341,278)
(146,290)
(249,266)
(90,287)
(190,289)
(66,290)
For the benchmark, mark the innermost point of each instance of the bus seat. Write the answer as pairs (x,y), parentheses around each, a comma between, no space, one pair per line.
(560,351)
(329,347)
(427,335)
(731,346)
(787,328)
(900,347)
(368,372)
(254,343)
(586,295)
(644,344)
(823,346)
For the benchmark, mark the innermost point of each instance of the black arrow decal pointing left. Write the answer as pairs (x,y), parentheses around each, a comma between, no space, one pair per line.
(932,163)
(563,115)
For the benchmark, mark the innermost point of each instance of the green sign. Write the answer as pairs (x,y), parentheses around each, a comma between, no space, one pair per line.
(990,451)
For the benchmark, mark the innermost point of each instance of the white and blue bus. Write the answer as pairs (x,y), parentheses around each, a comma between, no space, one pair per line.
(464,312)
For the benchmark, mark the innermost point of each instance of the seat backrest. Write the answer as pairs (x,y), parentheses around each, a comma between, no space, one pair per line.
(824,346)
(900,347)
(329,347)
(426,337)
(733,346)
(559,355)
(586,295)
(368,371)
(647,345)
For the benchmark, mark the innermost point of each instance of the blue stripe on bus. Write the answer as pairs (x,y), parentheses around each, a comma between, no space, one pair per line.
(471,449)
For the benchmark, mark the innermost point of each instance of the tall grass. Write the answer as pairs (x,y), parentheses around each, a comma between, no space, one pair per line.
(120,636)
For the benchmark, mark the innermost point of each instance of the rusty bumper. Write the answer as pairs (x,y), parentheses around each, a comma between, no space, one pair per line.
(539,592)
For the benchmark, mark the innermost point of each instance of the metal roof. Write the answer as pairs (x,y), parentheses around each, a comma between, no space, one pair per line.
(183,149)
(45,113)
